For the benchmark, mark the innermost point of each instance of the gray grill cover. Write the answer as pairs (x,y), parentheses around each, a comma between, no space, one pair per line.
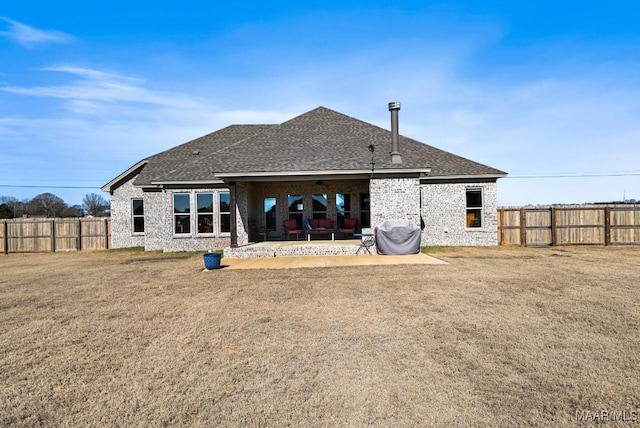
(397,237)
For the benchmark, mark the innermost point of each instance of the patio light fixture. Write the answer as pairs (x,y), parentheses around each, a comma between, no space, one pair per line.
(372,148)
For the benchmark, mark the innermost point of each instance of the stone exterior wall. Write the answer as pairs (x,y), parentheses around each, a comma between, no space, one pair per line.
(444,215)
(158,220)
(191,241)
(442,207)
(242,214)
(395,199)
(155,220)
(302,248)
(122,235)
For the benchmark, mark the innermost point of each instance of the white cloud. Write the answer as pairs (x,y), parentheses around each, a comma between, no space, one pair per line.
(116,117)
(98,86)
(29,36)
(110,96)
(532,124)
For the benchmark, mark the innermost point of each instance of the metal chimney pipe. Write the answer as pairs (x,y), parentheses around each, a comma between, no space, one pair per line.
(394,107)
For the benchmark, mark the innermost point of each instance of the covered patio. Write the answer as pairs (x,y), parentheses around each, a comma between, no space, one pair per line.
(265,205)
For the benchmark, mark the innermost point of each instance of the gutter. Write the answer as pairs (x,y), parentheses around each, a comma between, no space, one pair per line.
(463,176)
(322,172)
(185,182)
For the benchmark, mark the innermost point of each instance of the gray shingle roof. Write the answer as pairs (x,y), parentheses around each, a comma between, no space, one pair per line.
(319,140)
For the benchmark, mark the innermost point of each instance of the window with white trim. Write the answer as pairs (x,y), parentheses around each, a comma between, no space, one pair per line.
(181,213)
(474,207)
(224,210)
(204,206)
(137,214)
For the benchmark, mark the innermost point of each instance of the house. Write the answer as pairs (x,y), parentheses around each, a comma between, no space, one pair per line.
(223,188)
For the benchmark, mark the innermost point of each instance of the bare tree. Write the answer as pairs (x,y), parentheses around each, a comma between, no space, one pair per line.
(8,206)
(73,211)
(6,211)
(47,204)
(95,205)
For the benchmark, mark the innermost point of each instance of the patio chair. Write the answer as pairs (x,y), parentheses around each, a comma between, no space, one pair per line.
(348,227)
(291,228)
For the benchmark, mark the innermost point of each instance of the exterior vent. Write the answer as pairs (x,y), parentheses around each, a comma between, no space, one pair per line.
(394,107)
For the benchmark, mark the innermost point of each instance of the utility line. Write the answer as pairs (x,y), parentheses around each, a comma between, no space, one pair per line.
(630,173)
(576,175)
(48,187)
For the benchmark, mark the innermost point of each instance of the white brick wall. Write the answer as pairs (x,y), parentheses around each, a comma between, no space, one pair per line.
(121,219)
(395,199)
(442,206)
(158,221)
(444,215)
(163,231)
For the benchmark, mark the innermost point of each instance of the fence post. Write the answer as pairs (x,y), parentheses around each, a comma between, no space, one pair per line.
(500,237)
(53,236)
(523,230)
(6,237)
(553,227)
(79,245)
(106,233)
(607,226)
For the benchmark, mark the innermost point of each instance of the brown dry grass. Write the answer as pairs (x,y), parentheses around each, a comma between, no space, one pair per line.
(499,337)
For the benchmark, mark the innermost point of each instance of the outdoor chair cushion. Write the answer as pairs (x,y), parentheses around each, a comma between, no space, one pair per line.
(325,223)
(319,226)
(349,225)
(319,223)
(291,226)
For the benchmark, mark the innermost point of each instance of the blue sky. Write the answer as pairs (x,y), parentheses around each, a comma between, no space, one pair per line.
(547,91)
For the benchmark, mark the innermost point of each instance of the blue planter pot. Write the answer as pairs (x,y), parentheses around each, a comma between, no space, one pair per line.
(212,260)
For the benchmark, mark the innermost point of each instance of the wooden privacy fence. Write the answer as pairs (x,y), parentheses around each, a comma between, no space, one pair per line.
(34,235)
(570,225)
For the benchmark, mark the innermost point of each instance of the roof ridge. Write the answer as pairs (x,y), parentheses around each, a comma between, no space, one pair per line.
(321,139)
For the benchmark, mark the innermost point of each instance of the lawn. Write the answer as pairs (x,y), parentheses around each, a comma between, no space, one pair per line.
(498,337)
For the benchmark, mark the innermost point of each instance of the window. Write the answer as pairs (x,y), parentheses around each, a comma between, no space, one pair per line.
(343,208)
(137,210)
(319,206)
(181,213)
(204,202)
(474,208)
(270,219)
(225,211)
(365,215)
(295,208)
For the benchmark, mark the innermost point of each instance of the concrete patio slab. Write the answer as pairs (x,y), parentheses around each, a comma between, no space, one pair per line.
(291,262)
